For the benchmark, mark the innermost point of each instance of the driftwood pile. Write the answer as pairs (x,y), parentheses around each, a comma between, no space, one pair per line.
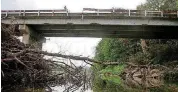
(148,76)
(144,76)
(18,68)
(24,66)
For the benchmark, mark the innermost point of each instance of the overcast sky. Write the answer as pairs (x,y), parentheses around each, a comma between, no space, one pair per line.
(74,46)
(73,5)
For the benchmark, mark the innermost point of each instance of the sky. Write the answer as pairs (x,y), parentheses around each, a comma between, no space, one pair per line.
(72,5)
(75,46)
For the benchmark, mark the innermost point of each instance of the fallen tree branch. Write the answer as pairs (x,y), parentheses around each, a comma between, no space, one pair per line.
(63,56)
(70,57)
(24,66)
(21,62)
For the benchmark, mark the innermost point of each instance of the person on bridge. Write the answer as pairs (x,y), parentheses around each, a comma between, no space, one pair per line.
(65,7)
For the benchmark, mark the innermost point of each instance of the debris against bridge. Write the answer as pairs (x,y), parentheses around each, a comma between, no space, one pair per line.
(23,66)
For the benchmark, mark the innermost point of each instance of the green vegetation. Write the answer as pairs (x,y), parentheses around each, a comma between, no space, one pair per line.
(138,51)
(112,73)
(112,50)
(114,70)
(163,52)
(116,50)
(159,5)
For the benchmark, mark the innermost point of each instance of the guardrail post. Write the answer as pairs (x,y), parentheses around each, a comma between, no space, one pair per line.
(67,12)
(6,13)
(24,13)
(113,10)
(20,13)
(82,14)
(38,12)
(52,12)
(129,12)
(145,13)
(161,13)
(98,12)
(177,13)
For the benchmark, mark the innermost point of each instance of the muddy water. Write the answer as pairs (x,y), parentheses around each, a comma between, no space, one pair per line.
(136,79)
(145,77)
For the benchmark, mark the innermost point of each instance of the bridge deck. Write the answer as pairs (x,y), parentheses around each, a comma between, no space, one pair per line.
(125,31)
(126,13)
(127,24)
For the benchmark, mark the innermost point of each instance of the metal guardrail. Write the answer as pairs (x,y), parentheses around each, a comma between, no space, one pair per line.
(132,12)
(87,11)
(35,12)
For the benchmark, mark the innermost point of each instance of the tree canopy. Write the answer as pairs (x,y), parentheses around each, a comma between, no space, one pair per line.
(159,5)
(137,51)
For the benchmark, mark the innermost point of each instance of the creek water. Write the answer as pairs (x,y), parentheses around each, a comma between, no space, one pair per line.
(126,85)
(134,80)
(61,88)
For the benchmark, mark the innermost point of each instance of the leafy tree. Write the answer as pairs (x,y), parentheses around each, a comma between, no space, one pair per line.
(161,50)
(158,5)
(144,51)
(116,50)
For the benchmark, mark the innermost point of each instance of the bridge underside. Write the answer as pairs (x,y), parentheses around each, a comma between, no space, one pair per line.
(35,25)
(99,26)
(96,30)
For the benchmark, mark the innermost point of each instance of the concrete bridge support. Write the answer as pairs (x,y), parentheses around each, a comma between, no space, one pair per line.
(31,37)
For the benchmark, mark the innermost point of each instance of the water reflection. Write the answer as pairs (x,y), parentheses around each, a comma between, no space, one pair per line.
(62,88)
(133,79)
(144,77)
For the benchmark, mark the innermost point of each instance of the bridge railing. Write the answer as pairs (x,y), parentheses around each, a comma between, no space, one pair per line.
(125,12)
(34,12)
(91,12)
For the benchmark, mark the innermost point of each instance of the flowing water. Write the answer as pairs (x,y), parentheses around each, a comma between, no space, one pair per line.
(133,79)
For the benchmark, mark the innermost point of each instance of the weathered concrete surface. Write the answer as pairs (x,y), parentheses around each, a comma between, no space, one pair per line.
(98,20)
(99,26)
(30,36)
(96,30)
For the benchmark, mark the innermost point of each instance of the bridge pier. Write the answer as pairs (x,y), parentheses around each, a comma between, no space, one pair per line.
(31,37)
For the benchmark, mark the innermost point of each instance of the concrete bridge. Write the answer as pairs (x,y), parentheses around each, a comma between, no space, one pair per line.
(91,22)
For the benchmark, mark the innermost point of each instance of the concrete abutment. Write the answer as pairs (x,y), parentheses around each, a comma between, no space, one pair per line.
(30,36)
